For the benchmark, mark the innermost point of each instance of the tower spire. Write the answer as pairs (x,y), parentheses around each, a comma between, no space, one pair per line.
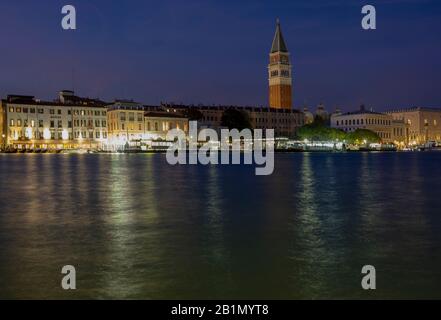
(279,44)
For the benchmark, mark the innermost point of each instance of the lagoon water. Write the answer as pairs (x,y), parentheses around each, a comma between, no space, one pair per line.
(137,228)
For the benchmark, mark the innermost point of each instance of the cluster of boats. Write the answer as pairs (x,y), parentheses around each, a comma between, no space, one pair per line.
(12,150)
(281,146)
(340,147)
(52,151)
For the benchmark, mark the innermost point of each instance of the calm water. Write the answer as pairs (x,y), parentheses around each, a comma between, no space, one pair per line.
(136,227)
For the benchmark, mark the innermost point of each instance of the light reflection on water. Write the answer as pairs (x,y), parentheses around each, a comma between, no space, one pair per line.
(136,227)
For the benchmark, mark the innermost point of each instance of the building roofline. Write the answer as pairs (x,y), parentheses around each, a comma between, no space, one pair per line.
(158,114)
(411,109)
(360,112)
(54,104)
(226,107)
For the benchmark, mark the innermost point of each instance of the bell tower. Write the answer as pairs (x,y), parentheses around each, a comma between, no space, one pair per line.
(280,77)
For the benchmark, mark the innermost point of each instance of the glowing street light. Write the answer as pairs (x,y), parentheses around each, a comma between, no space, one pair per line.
(46,134)
(28,133)
(65,135)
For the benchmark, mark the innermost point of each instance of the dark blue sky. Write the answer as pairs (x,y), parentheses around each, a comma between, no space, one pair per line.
(216,52)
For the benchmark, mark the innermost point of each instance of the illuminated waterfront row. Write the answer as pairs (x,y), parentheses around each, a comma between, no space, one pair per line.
(73,122)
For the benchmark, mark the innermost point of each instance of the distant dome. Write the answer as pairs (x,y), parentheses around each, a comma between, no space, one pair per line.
(309,117)
(321,112)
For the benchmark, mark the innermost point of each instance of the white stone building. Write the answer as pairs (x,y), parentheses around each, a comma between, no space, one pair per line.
(70,122)
(388,129)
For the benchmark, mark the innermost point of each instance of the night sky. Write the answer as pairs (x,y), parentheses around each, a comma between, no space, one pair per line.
(216,52)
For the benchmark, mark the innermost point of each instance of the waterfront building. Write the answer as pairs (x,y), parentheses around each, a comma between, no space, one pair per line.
(388,129)
(280,73)
(423,124)
(285,122)
(2,127)
(125,121)
(131,124)
(66,123)
(400,132)
(336,112)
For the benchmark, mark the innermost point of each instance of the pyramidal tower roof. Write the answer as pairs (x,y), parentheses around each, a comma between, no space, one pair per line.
(278,42)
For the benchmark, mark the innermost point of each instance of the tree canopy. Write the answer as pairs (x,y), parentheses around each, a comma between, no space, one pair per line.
(317,131)
(236,119)
(193,114)
(360,136)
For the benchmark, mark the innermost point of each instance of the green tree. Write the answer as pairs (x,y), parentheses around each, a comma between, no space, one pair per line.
(235,119)
(317,131)
(360,136)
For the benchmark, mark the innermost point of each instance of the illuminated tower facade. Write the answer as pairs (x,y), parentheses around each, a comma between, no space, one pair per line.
(280,77)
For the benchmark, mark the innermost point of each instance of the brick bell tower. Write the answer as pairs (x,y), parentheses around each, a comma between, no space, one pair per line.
(280,77)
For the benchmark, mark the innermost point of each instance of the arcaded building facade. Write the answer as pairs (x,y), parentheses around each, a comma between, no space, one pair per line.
(424,124)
